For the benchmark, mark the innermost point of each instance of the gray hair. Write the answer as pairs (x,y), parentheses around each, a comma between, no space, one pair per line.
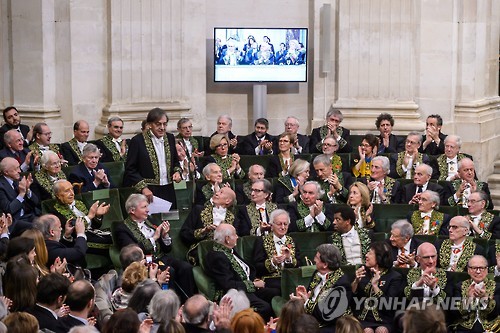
(386,165)
(226,116)
(463,160)
(335,112)
(329,254)
(427,168)
(434,196)
(413,133)
(298,166)
(256,166)
(239,300)
(454,137)
(57,186)
(83,329)
(90,148)
(405,228)
(221,232)
(319,190)
(208,168)
(419,248)
(483,196)
(164,306)
(478,256)
(44,224)
(294,118)
(322,159)
(278,212)
(114,118)
(8,136)
(462,220)
(44,160)
(133,201)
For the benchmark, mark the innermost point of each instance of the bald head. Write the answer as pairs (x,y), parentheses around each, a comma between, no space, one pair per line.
(196,311)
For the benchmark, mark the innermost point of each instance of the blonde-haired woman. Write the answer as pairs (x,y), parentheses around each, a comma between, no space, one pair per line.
(230,164)
(359,200)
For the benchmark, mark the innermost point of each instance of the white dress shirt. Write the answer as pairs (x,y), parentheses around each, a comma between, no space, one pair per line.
(352,247)
(159,146)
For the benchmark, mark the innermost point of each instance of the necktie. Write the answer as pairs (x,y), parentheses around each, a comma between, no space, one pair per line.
(279,242)
(419,188)
(18,157)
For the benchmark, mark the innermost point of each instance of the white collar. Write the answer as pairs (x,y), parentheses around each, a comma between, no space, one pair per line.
(282,239)
(350,233)
(454,160)
(260,206)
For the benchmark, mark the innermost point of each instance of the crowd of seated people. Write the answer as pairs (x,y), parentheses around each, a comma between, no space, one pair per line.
(265,189)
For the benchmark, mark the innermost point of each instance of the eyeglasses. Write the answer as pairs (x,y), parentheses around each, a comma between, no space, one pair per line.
(330,145)
(364,145)
(409,142)
(474,201)
(257,190)
(478,268)
(222,145)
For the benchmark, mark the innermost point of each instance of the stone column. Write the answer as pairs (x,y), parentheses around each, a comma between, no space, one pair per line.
(153,61)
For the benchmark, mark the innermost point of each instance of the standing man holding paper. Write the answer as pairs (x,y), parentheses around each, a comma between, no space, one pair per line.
(152,161)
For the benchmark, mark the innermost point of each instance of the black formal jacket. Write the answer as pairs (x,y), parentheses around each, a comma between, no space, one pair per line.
(432,148)
(67,323)
(141,166)
(316,138)
(108,151)
(395,194)
(71,155)
(80,174)
(414,244)
(409,191)
(6,127)
(249,143)
(396,144)
(45,319)
(10,204)
(231,149)
(73,252)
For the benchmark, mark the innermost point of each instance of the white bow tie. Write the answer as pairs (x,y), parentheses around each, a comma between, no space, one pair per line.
(119,140)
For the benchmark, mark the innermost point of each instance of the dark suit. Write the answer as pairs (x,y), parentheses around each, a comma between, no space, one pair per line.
(80,174)
(6,127)
(409,191)
(414,244)
(231,149)
(395,193)
(71,152)
(21,157)
(67,323)
(108,150)
(73,252)
(250,142)
(432,148)
(46,319)
(243,223)
(10,204)
(139,170)
(399,172)
(391,284)
(221,269)
(396,144)
(243,193)
(274,169)
(317,137)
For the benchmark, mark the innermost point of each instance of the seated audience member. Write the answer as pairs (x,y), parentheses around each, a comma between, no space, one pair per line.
(410,193)
(253,219)
(41,141)
(72,150)
(483,224)
(90,173)
(213,174)
(301,143)
(275,251)
(164,307)
(403,244)
(5,223)
(153,240)
(328,275)
(259,142)
(426,280)
(152,161)
(187,165)
(377,280)
(21,322)
(124,320)
(51,293)
(427,220)
(14,148)
(455,252)
(67,208)
(329,148)
(50,172)
(362,161)
(229,163)
(112,146)
(243,191)
(383,189)
(428,318)
(141,298)
(333,183)
(332,128)
(190,144)
(21,246)
(359,200)
(305,323)
(352,242)
(480,299)
(237,299)
(195,314)
(224,126)
(290,312)
(403,164)
(287,187)
(465,184)
(388,142)
(80,300)
(203,220)
(445,166)
(16,198)
(42,254)
(132,276)
(66,248)
(247,321)
(433,140)
(229,270)
(19,283)
(280,163)
(309,213)
(13,121)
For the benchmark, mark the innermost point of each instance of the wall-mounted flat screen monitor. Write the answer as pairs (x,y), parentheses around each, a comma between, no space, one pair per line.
(260,54)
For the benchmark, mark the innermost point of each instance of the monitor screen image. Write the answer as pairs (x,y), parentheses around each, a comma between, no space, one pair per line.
(260,54)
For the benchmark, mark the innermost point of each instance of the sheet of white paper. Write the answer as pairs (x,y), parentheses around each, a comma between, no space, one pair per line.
(159,205)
